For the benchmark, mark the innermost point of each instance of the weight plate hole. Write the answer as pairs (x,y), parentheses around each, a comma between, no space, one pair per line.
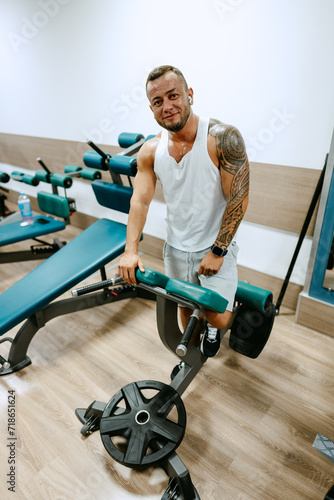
(142,417)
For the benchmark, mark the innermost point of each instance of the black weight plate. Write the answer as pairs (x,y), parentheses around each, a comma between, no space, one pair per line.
(330,494)
(131,423)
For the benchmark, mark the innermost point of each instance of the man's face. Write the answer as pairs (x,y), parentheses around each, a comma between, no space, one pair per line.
(169,101)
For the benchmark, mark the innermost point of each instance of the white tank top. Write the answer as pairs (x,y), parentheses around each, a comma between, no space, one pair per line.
(193,193)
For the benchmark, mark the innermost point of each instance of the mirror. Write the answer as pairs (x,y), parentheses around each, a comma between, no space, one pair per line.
(322,277)
(329,274)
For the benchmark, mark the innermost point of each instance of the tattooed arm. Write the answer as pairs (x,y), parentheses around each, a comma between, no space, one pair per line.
(234,172)
(227,148)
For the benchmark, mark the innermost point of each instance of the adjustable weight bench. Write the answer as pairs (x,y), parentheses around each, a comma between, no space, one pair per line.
(52,204)
(61,206)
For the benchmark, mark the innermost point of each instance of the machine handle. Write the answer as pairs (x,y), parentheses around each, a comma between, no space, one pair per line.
(98,150)
(42,164)
(181,349)
(96,286)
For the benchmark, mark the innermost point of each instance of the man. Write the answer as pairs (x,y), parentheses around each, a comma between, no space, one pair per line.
(203,168)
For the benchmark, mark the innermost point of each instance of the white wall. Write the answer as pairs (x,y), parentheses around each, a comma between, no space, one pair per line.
(73,69)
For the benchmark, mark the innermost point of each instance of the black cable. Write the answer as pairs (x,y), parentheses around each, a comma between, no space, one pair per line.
(307,221)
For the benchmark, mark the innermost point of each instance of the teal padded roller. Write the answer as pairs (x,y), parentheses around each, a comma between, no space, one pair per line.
(17,176)
(30,179)
(151,277)
(53,204)
(126,165)
(4,177)
(27,179)
(86,173)
(92,159)
(198,294)
(114,196)
(150,137)
(253,296)
(42,176)
(69,169)
(90,174)
(126,139)
(61,180)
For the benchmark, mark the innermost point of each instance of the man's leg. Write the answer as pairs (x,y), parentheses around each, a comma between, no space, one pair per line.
(221,321)
(225,283)
(184,265)
(216,326)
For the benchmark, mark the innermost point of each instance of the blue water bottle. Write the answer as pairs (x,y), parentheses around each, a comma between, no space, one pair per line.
(25,209)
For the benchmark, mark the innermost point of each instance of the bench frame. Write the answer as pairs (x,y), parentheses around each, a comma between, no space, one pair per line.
(166,319)
(17,356)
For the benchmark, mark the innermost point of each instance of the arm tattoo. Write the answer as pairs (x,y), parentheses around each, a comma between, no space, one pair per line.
(232,158)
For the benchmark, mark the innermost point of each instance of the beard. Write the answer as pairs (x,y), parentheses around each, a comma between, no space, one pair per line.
(176,127)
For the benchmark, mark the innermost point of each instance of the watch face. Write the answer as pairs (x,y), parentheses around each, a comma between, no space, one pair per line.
(218,251)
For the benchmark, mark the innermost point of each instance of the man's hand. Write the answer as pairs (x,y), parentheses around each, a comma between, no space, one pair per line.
(210,264)
(127,267)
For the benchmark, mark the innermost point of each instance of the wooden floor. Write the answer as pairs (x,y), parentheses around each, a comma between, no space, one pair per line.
(250,423)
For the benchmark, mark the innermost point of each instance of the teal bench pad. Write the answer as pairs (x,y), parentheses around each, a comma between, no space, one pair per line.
(13,232)
(53,204)
(198,294)
(250,295)
(87,253)
(114,196)
(152,278)
(183,289)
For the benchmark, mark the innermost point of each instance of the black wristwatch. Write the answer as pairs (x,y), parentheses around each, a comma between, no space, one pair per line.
(218,251)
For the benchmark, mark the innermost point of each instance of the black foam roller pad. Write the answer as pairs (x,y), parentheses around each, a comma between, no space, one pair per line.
(4,177)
